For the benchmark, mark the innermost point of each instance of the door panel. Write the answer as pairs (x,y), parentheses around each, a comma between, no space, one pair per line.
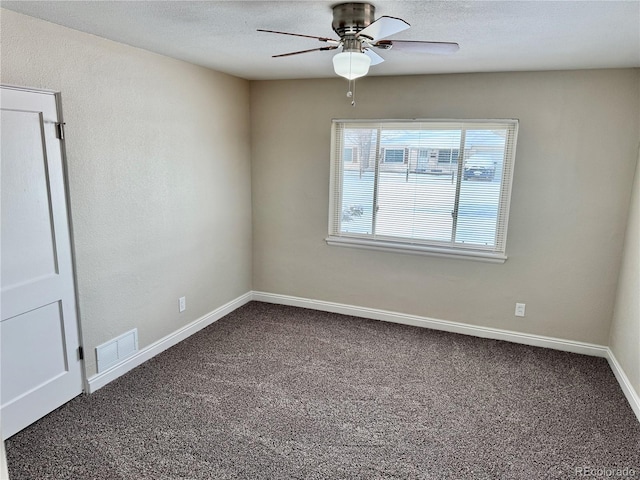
(27,249)
(41,333)
(39,364)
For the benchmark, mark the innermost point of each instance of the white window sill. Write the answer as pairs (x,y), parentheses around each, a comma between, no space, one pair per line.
(397,247)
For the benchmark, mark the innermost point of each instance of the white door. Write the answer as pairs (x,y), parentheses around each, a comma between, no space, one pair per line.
(40,367)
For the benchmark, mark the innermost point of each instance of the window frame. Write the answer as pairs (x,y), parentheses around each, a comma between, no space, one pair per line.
(373,241)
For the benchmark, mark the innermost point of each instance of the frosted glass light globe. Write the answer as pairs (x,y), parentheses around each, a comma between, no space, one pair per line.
(351,65)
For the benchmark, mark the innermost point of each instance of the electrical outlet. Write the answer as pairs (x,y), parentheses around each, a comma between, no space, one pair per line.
(182,304)
(520,309)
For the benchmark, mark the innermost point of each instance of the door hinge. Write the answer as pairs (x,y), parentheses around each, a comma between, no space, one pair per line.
(80,353)
(60,130)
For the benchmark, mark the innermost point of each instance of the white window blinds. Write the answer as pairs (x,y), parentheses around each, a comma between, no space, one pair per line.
(429,186)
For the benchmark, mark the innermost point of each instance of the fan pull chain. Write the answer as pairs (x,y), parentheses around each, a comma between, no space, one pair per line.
(351,93)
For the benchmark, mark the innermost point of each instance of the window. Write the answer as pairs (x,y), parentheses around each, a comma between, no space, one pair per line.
(448,155)
(348,154)
(393,155)
(438,187)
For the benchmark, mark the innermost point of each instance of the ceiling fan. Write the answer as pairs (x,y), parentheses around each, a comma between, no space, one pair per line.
(359,34)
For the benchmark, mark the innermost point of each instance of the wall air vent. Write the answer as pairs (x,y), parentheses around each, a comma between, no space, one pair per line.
(116,350)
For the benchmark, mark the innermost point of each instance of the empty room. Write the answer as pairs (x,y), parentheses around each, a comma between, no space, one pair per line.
(320,240)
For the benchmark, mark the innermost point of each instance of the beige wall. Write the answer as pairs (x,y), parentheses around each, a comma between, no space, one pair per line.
(625,329)
(159,177)
(576,155)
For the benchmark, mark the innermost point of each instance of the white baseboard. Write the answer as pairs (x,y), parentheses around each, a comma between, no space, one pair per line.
(632,396)
(437,324)
(101,379)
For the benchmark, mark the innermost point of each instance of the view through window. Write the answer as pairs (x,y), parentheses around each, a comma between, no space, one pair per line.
(439,185)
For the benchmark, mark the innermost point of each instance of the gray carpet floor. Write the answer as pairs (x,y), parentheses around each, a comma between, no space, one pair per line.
(273,392)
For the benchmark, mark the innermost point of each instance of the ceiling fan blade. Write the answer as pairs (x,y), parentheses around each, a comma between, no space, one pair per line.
(375,58)
(412,46)
(322,39)
(383,27)
(304,51)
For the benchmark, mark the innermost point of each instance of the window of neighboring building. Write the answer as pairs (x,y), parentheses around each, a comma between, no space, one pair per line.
(393,155)
(349,155)
(461,210)
(448,155)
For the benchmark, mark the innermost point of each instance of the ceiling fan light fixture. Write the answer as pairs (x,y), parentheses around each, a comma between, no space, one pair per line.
(351,65)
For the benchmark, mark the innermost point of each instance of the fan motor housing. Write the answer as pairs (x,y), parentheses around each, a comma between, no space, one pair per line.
(350,18)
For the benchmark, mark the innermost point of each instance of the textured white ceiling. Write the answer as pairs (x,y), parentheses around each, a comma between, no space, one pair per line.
(493,35)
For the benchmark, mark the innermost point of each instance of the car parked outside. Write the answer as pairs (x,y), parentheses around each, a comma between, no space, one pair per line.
(479,168)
